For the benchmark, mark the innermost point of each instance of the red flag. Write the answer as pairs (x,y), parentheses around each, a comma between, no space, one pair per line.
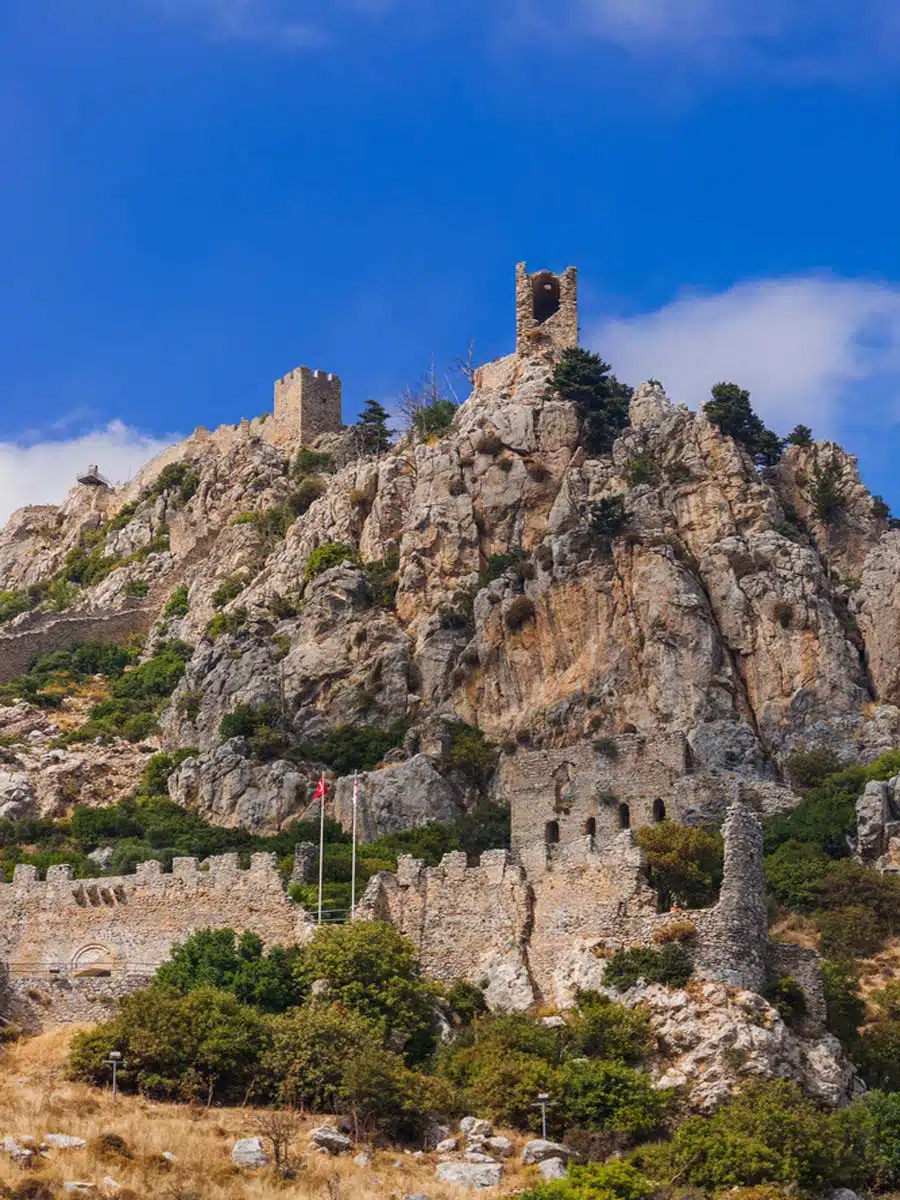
(321,790)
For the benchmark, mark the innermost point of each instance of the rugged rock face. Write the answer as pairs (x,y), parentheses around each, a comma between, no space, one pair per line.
(726,618)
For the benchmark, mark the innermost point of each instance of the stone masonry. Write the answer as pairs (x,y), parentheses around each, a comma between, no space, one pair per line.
(529,927)
(546,310)
(308,404)
(68,944)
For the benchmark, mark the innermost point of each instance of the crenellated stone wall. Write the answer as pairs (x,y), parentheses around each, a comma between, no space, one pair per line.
(68,942)
(533,926)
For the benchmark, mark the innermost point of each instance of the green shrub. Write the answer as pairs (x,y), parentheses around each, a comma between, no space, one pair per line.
(372,970)
(826,490)
(181,478)
(385,1098)
(670,966)
(642,469)
(261,727)
(311,462)
(602,402)
(226,622)
(433,420)
(731,411)
(869,1129)
(229,589)
(611,1096)
(810,768)
(383,579)
(311,1047)
(177,604)
(470,753)
(686,863)
(598,1027)
(136,698)
(306,493)
(122,518)
(845,1009)
(788,998)
(203,1045)
(466,1001)
(607,519)
(332,554)
(217,958)
(769,1133)
(881,510)
(352,748)
(137,588)
(615,1180)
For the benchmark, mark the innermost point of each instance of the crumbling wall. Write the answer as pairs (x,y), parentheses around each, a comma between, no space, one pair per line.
(46,632)
(529,911)
(58,933)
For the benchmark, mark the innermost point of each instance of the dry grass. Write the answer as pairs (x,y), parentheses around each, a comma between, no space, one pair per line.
(797,930)
(877,972)
(36,1099)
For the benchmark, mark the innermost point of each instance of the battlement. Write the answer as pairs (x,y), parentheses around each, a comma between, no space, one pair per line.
(114,931)
(544,918)
(308,403)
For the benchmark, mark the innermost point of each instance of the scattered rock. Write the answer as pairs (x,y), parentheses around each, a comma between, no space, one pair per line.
(64,1141)
(18,1153)
(499,1145)
(79,1186)
(447,1146)
(363,1159)
(110,1184)
(249,1153)
(553,1168)
(476,1156)
(102,856)
(475,1127)
(538,1150)
(326,1137)
(480,1176)
(168,1156)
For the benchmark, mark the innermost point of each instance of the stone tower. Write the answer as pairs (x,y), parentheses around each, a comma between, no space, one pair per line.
(307,404)
(546,310)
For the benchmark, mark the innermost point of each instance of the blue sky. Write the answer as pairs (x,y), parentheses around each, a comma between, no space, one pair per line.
(199,195)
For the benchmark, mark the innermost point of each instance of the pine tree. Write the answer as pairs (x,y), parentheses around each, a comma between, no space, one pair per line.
(372,424)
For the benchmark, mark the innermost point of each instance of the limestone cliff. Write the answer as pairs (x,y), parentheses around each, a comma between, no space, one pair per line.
(726,626)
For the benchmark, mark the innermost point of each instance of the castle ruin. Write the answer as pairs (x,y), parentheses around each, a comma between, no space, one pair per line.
(546,310)
(308,404)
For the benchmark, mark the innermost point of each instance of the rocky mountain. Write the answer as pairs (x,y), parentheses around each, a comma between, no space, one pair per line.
(728,620)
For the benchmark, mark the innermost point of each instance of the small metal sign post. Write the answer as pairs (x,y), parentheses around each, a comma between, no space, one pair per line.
(115,1061)
(543,1103)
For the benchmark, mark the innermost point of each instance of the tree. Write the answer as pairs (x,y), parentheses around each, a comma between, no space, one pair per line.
(731,411)
(372,970)
(602,401)
(373,429)
(611,1096)
(827,490)
(685,863)
(311,1047)
(800,435)
(216,958)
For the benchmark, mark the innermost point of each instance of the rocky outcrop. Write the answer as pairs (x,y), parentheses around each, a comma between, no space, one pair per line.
(401,796)
(227,788)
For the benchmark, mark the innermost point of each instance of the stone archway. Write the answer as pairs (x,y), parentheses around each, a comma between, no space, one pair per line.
(93,961)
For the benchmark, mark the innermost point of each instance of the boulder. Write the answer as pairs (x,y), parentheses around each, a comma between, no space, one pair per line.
(498,1145)
(553,1168)
(79,1187)
(64,1141)
(249,1153)
(447,1146)
(475,1127)
(478,1176)
(538,1150)
(403,796)
(363,1159)
(326,1137)
(16,795)
(477,1156)
(18,1153)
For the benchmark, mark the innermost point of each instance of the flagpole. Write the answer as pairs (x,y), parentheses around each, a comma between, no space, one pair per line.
(321,844)
(353,855)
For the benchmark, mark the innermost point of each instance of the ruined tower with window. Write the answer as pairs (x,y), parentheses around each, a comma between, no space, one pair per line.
(546,310)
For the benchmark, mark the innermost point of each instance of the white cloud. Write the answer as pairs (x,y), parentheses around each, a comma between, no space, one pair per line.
(817,350)
(42,472)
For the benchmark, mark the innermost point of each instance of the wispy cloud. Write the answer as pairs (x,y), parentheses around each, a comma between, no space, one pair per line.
(817,350)
(795,39)
(43,471)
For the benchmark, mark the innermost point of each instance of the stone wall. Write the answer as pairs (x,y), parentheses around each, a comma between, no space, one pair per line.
(58,933)
(46,632)
(533,926)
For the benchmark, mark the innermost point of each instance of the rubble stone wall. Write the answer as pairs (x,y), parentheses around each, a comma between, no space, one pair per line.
(48,632)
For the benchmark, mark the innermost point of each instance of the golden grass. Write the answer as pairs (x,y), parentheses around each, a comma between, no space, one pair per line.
(36,1099)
